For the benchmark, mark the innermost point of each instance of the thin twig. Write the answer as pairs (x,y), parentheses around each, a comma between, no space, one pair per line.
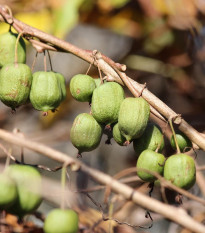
(175,214)
(110,69)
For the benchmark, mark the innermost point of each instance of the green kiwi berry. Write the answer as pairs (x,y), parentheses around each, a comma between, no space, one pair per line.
(151,161)
(15,84)
(133,117)
(152,138)
(82,87)
(7,49)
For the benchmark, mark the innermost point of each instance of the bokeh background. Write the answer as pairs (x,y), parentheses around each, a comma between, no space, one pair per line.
(161,42)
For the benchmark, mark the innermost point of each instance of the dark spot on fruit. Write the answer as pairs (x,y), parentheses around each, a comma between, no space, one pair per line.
(126,143)
(13,111)
(79,155)
(25,83)
(108,141)
(78,91)
(108,127)
(12,94)
(45,114)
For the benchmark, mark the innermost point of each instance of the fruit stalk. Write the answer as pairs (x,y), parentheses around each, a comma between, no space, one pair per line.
(175,139)
(63,183)
(16,47)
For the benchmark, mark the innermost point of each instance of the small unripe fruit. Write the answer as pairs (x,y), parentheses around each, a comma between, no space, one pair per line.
(82,87)
(133,117)
(28,181)
(152,138)
(15,84)
(180,170)
(106,101)
(7,49)
(61,80)
(152,161)
(182,140)
(98,82)
(46,91)
(85,133)
(61,221)
(8,191)
(118,137)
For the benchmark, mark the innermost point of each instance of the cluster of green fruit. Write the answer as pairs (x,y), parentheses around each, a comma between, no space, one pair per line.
(45,90)
(108,107)
(127,118)
(20,189)
(178,168)
(20,194)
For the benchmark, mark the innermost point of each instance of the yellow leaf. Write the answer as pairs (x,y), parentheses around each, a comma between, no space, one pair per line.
(41,20)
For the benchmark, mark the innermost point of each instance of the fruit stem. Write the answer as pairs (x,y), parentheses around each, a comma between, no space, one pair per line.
(159,145)
(44,59)
(175,139)
(16,47)
(34,61)
(49,57)
(126,143)
(8,159)
(63,182)
(110,216)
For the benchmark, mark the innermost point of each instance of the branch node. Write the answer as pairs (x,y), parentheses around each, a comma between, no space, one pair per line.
(8,19)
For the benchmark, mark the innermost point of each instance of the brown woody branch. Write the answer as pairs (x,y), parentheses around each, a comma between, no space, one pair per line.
(175,214)
(112,70)
(116,72)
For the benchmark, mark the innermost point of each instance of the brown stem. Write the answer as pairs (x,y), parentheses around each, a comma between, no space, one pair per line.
(16,47)
(174,135)
(44,61)
(175,214)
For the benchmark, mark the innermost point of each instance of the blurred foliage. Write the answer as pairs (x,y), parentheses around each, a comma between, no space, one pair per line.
(169,32)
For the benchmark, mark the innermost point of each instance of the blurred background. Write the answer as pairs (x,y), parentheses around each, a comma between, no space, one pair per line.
(162,44)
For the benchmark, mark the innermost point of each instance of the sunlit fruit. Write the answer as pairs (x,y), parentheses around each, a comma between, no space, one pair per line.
(82,87)
(46,93)
(28,181)
(133,117)
(7,49)
(180,170)
(85,133)
(183,141)
(61,221)
(106,101)
(152,138)
(151,161)
(8,191)
(15,84)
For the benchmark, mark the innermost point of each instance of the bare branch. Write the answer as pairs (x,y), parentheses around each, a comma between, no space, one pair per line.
(175,214)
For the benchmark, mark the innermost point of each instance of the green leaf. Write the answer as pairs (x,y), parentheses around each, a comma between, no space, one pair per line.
(66,17)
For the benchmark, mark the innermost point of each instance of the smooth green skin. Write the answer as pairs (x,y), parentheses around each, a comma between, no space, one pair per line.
(61,221)
(117,135)
(28,181)
(15,84)
(46,91)
(7,49)
(61,79)
(106,101)
(180,170)
(151,138)
(182,140)
(98,82)
(133,117)
(82,87)
(8,191)
(152,161)
(85,133)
